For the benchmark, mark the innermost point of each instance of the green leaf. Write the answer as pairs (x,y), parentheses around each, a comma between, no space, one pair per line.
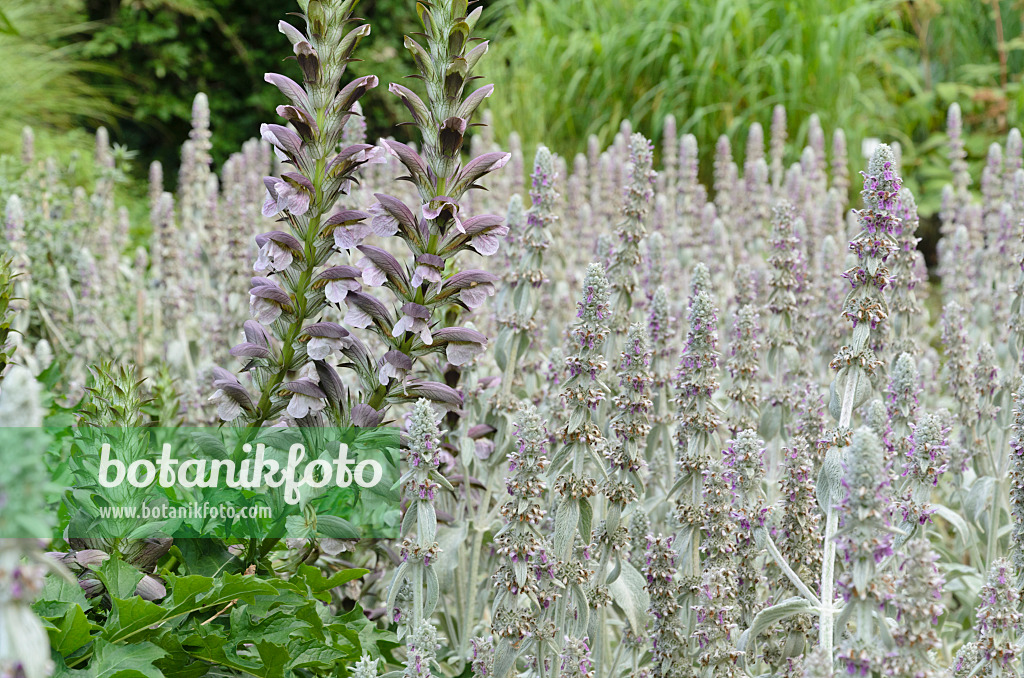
(130,616)
(311,581)
(58,596)
(125,661)
(72,633)
(119,578)
(335,527)
(188,594)
(209,644)
(566,519)
(6,27)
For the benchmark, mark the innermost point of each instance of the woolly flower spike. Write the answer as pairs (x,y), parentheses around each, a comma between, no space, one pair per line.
(778,144)
(535,238)
(640,191)
(789,273)
(699,282)
(864,540)
(593,311)
(840,169)
(1017,481)
(633,402)
(589,334)
(690,200)
(904,280)
(631,424)
(865,304)
(365,667)
(526,571)
(798,533)
(744,464)
(928,458)
(818,664)
(723,177)
(917,600)
(697,381)
(966,661)
(28,146)
(542,188)
(743,460)
(525,484)
(865,503)
(421,651)
(424,448)
(664,590)
(717,609)
(902,396)
(626,260)
(999,622)
(575,659)
(419,549)
(659,328)
(957,154)
(958,368)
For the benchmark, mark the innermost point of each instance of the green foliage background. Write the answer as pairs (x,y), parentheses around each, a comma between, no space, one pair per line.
(565,69)
(167,50)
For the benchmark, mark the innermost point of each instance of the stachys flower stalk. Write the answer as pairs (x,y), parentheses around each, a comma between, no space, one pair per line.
(717,608)
(785,343)
(581,439)
(1016,477)
(518,300)
(625,266)
(743,460)
(865,538)
(744,393)
(999,622)
(778,146)
(419,550)
(865,306)
(917,602)
(840,167)
(903,301)
(526,572)
(624,463)
(663,588)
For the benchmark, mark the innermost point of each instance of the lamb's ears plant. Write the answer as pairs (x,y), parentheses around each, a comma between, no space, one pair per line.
(639,193)
(864,540)
(580,438)
(866,307)
(519,299)
(419,549)
(287,305)
(526,571)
